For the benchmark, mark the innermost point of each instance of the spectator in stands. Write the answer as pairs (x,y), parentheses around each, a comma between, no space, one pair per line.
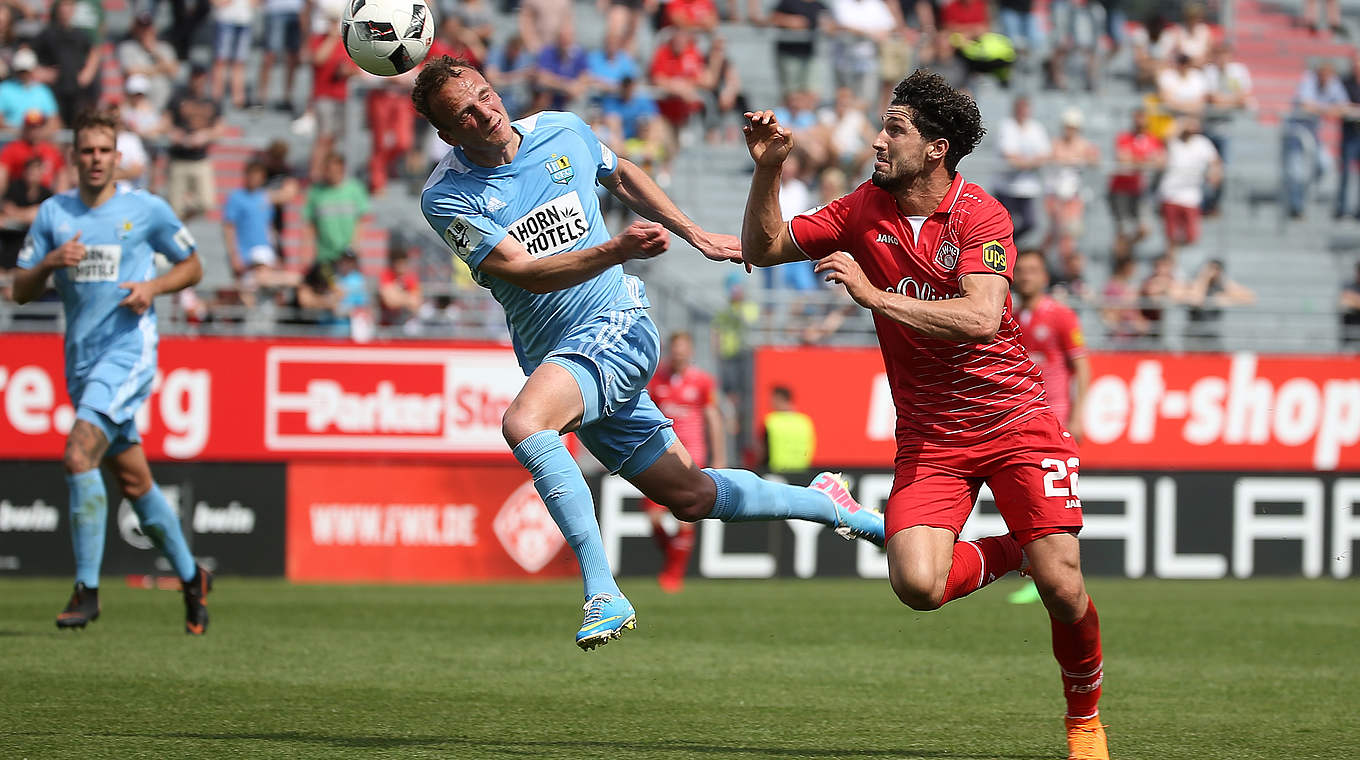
(510,70)
(849,134)
(699,16)
(1192,163)
(678,72)
(1191,38)
(968,18)
(399,290)
(795,197)
(274,158)
(1320,95)
(1350,311)
(562,76)
(331,70)
(456,40)
(860,26)
(647,138)
(282,40)
(622,18)
(941,57)
(1182,88)
(71,61)
(1349,154)
(231,47)
(355,306)
(9,39)
(1026,149)
(195,124)
(1207,295)
(22,93)
(1069,280)
(1072,157)
(479,20)
(26,191)
(143,55)
(608,66)
(539,21)
(139,114)
(1331,16)
(1075,31)
(334,207)
(626,112)
(33,143)
(186,18)
(1021,24)
(1123,320)
(317,300)
(247,221)
(1150,45)
(388,103)
(797,24)
(88,17)
(732,342)
(1137,153)
(724,91)
(1229,87)
(134,161)
(1160,289)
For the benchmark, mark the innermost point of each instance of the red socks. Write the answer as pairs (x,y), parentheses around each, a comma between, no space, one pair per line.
(1076,646)
(977,563)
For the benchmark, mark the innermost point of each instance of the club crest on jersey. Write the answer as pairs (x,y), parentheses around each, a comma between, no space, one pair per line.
(559,168)
(994,256)
(947,255)
(124,229)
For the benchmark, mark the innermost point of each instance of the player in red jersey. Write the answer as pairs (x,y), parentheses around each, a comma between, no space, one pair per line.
(687,395)
(931,256)
(1051,334)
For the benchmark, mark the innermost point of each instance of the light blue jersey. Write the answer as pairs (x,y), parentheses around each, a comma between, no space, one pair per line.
(110,349)
(545,198)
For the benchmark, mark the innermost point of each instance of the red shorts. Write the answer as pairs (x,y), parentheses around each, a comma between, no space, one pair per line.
(1180,223)
(1031,469)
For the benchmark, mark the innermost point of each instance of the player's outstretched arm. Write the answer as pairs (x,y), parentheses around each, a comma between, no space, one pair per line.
(765,239)
(509,261)
(631,185)
(973,317)
(183,274)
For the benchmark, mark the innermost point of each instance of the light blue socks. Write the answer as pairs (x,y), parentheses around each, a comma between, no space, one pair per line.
(89,516)
(563,489)
(744,496)
(161,525)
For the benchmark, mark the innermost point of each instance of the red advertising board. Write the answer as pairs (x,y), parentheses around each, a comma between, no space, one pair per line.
(271,400)
(394,522)
(1150,411)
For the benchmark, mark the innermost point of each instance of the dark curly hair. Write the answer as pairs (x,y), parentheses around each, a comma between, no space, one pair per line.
(431,80)
(940,111)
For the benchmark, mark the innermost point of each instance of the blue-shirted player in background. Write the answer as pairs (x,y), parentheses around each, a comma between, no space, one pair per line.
(516,202)
(96,243)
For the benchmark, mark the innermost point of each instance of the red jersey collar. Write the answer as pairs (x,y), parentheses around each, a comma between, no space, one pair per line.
(952,196)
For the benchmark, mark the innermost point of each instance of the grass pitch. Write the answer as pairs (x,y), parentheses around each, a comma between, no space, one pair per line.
(758,669)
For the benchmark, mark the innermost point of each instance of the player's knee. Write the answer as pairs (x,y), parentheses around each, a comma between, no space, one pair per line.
(77,461)
(134,484)
(516,425)
(919,594)
(1064,595)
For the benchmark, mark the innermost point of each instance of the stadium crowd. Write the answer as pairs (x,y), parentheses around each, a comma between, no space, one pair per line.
(292,225)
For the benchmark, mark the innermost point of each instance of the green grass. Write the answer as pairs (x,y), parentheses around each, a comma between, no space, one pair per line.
(760,669)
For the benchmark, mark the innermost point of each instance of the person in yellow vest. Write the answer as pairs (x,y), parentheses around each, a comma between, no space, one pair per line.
(790,437)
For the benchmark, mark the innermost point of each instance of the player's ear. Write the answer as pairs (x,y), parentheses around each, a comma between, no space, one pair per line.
(937,149)
(447,138)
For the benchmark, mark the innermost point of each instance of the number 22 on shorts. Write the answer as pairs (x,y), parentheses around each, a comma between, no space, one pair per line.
(1058,471)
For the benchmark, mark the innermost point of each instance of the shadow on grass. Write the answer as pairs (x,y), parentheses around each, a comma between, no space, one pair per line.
(536,748)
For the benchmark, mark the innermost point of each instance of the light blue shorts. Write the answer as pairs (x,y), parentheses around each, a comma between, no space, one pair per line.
(612,357)
(110,393)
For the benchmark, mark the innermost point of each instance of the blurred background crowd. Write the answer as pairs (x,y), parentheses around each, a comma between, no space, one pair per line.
(1183,168)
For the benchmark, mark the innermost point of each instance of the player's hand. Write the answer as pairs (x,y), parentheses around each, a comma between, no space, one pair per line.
(716,247)
(140,297)
(768,142)
(840,268)
(68,254)
(643,240)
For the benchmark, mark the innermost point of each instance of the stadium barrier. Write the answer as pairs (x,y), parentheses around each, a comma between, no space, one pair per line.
(336,462)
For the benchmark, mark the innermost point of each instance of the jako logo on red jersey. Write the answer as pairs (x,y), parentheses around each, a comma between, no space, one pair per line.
(387,400)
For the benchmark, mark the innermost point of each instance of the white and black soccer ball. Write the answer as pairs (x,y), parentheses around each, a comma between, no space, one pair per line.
(387,37)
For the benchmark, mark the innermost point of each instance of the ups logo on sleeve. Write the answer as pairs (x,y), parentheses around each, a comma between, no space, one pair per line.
(994,256)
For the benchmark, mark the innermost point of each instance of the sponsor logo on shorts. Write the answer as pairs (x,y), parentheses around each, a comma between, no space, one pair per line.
(559,168)
(552,227)
(994,256)
(947,255)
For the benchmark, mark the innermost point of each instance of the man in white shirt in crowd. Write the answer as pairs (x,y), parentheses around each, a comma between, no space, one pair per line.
(1191,162)
(1026,148)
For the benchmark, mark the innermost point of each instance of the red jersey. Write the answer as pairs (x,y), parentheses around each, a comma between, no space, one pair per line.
(683,398)
(328,79)
(16,155)
(946,391)
(1051,333)
(1142,147)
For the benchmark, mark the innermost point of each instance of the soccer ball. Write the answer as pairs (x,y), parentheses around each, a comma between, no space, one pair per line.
(387,37)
